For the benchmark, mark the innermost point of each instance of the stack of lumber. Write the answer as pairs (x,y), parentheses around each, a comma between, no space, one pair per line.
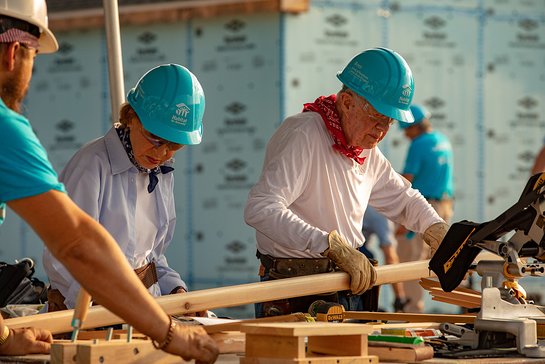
(463,297)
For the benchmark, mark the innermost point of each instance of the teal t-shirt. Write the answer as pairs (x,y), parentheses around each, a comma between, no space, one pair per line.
(430,161)
(25,170)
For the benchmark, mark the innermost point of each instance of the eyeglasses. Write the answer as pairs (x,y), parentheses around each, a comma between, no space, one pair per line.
(158,142)
(377,117)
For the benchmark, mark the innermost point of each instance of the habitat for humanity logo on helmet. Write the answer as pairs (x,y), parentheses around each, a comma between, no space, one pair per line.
(406,93)
(182,111)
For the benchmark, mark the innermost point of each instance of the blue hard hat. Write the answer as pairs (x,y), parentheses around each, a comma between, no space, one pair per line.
(169,102)
(384,79)
(420,113)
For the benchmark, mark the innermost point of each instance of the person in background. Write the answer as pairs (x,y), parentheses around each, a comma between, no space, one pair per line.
(125,179)
(429,167)
(376,224)
(31,189)
(322,169)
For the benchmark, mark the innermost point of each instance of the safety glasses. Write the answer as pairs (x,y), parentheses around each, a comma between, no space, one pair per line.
(156,141)
(377,117)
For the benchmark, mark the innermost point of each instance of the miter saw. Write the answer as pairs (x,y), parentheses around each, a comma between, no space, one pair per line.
(506,318)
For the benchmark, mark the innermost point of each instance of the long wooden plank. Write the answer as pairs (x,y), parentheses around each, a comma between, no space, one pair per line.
(410,317)
(208,299)
(460,296)
(236,324)
(455,302)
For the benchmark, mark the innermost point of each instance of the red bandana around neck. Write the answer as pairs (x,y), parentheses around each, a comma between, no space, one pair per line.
(325,106)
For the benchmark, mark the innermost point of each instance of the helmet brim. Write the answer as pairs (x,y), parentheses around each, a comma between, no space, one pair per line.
(48,42)
(172,134)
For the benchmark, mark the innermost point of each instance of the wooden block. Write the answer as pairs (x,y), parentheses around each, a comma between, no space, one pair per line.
(403,355)
(272,346)
(120,351)
(328,343)
(63,352)
(346,345)
(306,329)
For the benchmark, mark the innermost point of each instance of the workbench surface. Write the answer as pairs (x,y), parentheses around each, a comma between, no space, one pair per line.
(234,359)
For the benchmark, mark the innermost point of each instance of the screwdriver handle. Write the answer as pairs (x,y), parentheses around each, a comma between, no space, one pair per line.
(82,306)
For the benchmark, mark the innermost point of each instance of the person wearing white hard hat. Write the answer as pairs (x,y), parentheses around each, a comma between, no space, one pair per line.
(322,168)
(30,187)
(124,180)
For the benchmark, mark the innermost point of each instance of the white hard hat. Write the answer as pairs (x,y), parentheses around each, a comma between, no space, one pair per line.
(33,12)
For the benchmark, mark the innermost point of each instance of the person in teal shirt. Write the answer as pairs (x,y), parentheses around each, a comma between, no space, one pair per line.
(24,166)
(29,186)
(429,167)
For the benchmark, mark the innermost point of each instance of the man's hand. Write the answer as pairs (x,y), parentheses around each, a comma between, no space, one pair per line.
(192,342)
(362,274)
(433,236)
(27,341)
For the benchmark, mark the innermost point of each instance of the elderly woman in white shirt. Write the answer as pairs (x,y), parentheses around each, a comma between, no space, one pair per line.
(124,179)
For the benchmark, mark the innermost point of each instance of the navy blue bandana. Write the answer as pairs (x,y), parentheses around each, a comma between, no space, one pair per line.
(124,137)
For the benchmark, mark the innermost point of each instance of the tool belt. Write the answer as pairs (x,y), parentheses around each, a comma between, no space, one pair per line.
(147,274)
(279,268)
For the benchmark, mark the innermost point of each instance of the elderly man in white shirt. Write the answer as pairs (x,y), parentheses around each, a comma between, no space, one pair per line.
(321,170)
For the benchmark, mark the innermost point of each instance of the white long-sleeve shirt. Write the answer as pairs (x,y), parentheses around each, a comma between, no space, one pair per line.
(101,179)
(307,189)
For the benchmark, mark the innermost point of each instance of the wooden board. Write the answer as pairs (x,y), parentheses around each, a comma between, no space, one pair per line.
(170,12)
(236,324)
(403,355)
(208,299)
(115,351)
(305,329)
(410,317)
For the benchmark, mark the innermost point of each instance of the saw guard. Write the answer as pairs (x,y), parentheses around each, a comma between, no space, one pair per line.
(460,245)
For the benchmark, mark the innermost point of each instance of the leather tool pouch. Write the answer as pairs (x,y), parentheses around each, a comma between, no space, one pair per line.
(288,268)
(279,268)
(147,274)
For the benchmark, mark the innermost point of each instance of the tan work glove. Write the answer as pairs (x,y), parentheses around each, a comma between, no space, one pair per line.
(433,236)
(362,274)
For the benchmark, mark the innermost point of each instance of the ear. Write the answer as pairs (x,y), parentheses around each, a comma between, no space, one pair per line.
(9,54)
(345,101)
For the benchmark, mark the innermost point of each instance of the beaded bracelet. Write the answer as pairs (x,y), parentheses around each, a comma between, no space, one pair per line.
(5,335)
(168,339)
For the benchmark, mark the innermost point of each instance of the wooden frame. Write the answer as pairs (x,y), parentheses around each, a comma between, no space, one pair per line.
(170,12)
(284,343)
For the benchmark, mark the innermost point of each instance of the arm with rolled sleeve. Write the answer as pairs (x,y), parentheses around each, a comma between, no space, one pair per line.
(394,197)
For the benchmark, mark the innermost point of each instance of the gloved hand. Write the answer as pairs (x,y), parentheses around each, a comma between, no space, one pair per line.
(434,234)
(362,274)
